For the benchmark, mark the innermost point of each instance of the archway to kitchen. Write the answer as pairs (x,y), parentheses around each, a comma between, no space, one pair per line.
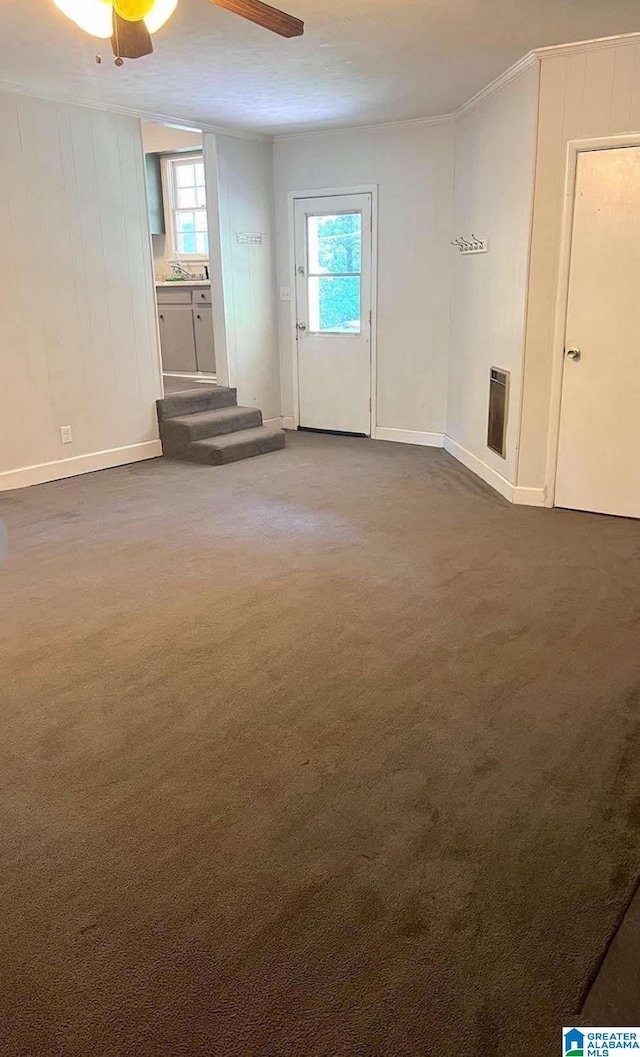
(181,179)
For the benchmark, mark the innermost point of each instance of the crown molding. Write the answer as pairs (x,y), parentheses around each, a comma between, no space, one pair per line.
(412,122)
(588,45)
(518,68)
(69,99)
(514,71)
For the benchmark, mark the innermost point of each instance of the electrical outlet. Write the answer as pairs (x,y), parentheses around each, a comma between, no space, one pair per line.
(66,435)
(285,293)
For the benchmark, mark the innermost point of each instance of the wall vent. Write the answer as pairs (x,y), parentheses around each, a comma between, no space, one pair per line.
(498,408)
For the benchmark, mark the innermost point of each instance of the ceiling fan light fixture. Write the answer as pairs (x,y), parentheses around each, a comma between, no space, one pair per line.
(93,16)
(160,13)
(133,10)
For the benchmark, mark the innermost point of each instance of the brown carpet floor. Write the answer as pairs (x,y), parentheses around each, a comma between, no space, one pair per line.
(330,752)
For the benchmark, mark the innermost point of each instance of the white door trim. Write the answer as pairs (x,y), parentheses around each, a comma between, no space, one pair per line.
(224,368)
(574,148)
(326,192)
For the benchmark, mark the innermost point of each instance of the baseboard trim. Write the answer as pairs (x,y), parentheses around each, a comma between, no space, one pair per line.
(530,496)
(273,421)
(79,464)
(480,468)
(516,495)
(408,436)
(289,422)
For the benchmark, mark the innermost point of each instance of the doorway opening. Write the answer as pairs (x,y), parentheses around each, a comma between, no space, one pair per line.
(176,195)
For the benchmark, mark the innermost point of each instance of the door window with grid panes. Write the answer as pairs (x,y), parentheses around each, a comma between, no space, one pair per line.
(188,206)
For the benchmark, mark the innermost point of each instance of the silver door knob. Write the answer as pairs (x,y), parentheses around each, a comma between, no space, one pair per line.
(573,354)
(301,326)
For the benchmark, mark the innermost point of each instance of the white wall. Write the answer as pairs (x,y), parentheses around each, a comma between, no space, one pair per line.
(245,205)
(585,91)
(163,139)
(494,178)
(78,342)
(412,165)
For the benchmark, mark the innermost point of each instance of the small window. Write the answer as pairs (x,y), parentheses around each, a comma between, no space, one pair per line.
(187,205)
(334,269)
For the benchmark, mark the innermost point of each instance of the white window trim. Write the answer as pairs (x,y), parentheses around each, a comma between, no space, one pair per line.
(169,200)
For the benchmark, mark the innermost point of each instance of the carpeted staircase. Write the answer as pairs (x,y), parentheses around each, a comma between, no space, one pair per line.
(206,425)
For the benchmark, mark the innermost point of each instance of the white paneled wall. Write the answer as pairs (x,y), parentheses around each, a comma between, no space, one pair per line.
(245,202)
(412,166)
(78,343)
(494,177)
(585,91)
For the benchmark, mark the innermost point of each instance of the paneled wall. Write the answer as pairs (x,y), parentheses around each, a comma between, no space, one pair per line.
(585,92)
(494,176)
(413,167)
(245,203)
(78,342)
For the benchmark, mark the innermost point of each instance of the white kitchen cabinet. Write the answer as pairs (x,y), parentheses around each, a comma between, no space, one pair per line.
(186,328)
(203,331)
(177,341)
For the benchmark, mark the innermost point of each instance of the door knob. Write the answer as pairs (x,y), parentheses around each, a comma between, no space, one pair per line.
(301,326)
(573,354)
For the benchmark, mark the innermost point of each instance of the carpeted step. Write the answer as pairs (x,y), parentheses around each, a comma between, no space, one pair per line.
(192,401)
(233,446)
(177,432)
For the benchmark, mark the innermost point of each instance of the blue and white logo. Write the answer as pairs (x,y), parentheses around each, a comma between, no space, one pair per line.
(600,1042)
(574,1043)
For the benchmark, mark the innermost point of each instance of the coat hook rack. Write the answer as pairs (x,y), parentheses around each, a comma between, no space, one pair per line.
(471,245)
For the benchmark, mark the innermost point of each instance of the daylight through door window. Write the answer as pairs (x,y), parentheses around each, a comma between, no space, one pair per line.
(334,247)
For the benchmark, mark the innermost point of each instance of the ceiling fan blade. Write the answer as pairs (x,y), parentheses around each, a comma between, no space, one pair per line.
(130,40)
(263,15)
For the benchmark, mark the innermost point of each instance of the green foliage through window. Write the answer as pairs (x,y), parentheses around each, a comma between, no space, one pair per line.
(335,251)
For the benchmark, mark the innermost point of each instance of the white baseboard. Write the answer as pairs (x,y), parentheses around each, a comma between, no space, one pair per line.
(408,436)
(519,496)
(97,460)
(288,422)
(530,496)
(273,421)
(487,473)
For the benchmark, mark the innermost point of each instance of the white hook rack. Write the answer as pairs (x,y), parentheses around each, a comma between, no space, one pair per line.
(471,245)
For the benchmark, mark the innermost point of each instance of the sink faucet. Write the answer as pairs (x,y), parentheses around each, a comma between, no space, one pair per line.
(179,269)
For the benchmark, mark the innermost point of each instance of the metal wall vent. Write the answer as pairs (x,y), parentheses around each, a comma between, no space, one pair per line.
(498,410)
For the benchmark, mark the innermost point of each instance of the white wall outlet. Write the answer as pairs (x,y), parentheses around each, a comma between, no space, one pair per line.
(285,293)
(66,435)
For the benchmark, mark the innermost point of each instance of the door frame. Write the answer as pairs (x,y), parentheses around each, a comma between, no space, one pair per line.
(330,192)
(575,147)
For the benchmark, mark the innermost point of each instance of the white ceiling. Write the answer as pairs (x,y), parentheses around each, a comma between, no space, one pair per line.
(360,61)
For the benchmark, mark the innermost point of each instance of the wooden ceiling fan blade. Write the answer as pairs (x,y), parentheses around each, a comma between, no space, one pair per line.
(130,40)
(265,16)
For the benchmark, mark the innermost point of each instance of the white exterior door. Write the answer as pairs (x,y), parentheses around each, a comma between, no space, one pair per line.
(333,311)
(599,445)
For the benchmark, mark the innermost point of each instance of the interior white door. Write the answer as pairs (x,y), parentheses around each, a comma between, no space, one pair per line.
(599,445)
(333,309)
